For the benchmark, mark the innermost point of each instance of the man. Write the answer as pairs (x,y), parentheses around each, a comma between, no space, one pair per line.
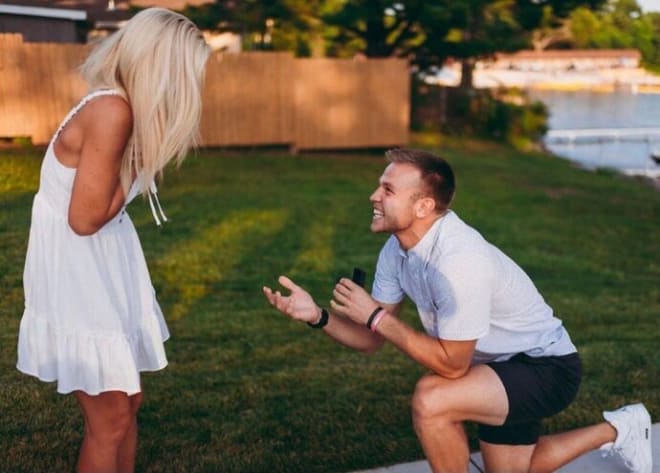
(496,353)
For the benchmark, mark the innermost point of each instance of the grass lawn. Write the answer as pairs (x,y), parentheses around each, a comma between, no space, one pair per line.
(247,390)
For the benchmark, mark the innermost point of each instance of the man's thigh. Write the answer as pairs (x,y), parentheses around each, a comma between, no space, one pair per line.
(478,396)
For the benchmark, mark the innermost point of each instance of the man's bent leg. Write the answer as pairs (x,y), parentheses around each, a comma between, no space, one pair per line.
(440,405)
(550,452)
(506,458)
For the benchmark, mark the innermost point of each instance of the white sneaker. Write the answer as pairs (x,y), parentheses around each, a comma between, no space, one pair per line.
(633,439)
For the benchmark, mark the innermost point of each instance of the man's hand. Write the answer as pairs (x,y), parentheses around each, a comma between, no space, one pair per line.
(298,305)
(351,301)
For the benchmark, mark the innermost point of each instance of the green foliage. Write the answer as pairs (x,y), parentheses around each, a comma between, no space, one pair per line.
(381,28)
(249,391)
(16,141)
(425,32)
(430,32)
(584,26)
(505,115)
(263,25)
(621,24)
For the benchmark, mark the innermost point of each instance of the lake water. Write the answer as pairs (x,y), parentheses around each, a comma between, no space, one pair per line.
(616,110)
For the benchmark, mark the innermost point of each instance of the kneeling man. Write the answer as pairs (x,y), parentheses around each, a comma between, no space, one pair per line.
(496,353)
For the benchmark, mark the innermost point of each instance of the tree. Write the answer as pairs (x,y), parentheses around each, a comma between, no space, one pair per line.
(550,33)
(620,24)
(653,57)
(377,28)
(257,21)
(481,28)
(584,25)
(430,32)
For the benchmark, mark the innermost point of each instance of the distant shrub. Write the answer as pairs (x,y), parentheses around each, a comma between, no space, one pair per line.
(16,141)
(501,114)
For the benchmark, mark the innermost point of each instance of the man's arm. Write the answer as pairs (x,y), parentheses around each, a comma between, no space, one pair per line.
(354,335)
(447,358)
(299,305)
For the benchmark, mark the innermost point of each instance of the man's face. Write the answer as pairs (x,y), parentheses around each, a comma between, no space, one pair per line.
(393,201)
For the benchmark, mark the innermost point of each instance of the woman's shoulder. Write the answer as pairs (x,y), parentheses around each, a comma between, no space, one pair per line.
(108,111)
(109,99)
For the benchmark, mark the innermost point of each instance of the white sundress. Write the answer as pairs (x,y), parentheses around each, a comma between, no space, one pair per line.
(91,319)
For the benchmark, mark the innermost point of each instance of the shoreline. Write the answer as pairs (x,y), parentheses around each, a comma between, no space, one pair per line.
(635,80)
(602,88)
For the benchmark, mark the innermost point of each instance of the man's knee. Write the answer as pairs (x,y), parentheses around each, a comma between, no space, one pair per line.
(428,401)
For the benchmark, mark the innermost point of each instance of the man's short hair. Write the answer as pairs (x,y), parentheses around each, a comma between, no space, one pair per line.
(437,175)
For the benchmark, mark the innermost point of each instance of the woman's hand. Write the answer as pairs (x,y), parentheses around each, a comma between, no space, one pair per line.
(298,305)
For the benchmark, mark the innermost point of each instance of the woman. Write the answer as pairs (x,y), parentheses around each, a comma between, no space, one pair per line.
(92,322)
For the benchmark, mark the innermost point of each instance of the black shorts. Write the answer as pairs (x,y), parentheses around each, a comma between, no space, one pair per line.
(536,388)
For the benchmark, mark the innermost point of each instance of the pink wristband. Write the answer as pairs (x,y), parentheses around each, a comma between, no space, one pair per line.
(377,320)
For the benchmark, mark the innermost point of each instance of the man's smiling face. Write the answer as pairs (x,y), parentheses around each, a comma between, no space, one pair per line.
(394,199)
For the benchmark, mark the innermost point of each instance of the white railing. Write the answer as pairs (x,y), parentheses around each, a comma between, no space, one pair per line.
(598,135)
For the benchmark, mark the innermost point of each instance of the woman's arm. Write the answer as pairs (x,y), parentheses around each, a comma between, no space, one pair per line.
(106,124)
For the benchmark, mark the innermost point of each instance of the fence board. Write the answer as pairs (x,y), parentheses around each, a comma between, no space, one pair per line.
(249,98)
(348,104)
(38,85)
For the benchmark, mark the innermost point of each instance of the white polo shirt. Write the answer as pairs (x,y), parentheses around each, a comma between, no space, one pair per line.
(467,289)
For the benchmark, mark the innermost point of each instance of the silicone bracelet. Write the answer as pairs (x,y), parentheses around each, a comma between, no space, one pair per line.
(381,315)
(373,315)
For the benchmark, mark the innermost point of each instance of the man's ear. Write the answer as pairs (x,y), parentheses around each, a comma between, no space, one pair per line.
(424,207)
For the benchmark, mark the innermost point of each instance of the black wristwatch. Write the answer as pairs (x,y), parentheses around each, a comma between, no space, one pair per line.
(324,320)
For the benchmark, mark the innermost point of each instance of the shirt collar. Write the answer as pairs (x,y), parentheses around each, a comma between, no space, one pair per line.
(424,246)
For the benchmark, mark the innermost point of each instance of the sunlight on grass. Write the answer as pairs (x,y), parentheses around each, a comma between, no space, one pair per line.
(317,255)
(189,268)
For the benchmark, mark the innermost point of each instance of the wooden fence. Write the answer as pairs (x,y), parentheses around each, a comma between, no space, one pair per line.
(250,99)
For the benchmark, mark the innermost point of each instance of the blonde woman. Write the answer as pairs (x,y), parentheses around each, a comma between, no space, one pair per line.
(92,322)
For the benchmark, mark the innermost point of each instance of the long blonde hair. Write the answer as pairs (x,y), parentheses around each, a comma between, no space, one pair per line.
(157,61)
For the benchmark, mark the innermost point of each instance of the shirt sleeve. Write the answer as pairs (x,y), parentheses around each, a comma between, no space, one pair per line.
(387,287)
(461,296)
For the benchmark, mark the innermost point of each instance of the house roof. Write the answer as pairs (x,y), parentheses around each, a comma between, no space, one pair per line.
(104,10)
(171,4)
(61,13)
(571,54)
(96,10)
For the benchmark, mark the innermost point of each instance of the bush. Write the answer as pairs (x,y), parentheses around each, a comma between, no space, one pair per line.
(504,114)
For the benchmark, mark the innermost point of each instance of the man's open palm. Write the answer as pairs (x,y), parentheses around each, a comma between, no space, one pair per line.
(298,304)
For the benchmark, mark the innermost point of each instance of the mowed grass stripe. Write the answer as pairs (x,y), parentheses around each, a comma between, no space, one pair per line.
(190,268)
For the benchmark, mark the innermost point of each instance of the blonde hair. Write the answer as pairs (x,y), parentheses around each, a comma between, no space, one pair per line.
(157,62)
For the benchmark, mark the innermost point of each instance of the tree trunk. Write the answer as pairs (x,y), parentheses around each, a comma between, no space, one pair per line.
(375,34)
(467,68)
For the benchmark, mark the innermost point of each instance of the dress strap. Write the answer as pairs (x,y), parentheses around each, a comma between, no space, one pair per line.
(81,104)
